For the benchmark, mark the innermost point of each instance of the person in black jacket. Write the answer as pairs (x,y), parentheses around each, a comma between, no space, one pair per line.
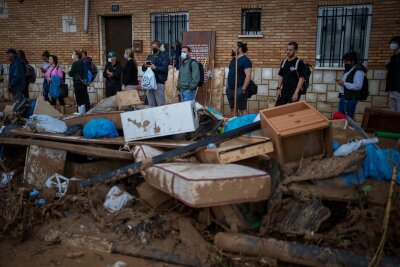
(22,57)
(130,71)
(158,62)
(393,75)
(16,76)
(112,73)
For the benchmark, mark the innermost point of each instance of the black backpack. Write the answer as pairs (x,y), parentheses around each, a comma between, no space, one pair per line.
(364,92)
(306,83)
(201,69)
(30,73)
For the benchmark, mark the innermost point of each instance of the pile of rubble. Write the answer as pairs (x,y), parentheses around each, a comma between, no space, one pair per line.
(182,185)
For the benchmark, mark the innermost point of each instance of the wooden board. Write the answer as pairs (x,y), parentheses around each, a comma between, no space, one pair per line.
(236,150)
(41,163)
(78,149)
(378,120)
(217,89)
(171,93)
(126,99)
(43,107)
(109,141)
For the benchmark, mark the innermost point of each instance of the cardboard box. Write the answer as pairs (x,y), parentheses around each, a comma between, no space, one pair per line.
(240,148)
(160,121)
(126,99)
(297,131)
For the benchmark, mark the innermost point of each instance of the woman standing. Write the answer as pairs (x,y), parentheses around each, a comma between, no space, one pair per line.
(22,57)
(54,76)
(130,71)
(77,74)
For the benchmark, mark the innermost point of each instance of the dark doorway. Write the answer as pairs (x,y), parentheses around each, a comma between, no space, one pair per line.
(118,35)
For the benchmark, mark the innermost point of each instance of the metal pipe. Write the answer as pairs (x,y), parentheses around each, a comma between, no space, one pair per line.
(86,19)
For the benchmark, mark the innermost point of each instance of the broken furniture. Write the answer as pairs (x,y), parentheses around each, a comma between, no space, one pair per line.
(297,131)
(126,99)
(379,120)
(206,185)
(240,148)
(160,121)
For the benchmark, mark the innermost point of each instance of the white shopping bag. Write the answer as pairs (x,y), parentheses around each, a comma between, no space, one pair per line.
(149,80)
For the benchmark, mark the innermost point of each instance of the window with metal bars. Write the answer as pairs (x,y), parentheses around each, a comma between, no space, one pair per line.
(342,29)
(168,28)
(251,21)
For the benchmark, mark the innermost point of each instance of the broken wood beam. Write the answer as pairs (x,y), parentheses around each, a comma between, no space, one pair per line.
(134,168)
(292,252)
(78,149)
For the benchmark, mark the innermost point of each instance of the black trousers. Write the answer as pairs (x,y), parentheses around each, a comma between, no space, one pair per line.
(110,91)
(53,101)
(81,95)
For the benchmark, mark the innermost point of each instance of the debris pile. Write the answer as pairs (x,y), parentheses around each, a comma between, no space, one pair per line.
(175,184)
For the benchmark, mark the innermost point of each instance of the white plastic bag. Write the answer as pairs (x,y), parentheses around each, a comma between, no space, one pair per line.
(46,124)
(149,80)
(346,149)
(116,199)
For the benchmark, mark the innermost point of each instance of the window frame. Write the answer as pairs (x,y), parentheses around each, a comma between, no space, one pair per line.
(245,31)
(337,62)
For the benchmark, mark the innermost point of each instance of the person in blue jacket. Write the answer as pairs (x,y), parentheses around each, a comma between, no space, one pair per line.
(158,62)
(16,77)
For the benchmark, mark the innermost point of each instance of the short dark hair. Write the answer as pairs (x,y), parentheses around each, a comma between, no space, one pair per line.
(351,56)
(158,43)
(188,48)
(395,39)
(79,54)
(55,59)
(46,54)
(84,52)
(243,46)
(294,44)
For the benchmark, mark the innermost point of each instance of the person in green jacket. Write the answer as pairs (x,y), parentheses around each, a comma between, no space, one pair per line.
(189,76)
(77,75)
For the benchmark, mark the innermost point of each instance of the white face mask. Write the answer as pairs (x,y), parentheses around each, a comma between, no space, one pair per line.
(109,59)
(393,46)
(183,56)
(126,57)
(73,56)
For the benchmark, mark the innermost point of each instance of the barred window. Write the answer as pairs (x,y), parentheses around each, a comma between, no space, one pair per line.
(251,21)
(342,29)
(168,28)
(3,9)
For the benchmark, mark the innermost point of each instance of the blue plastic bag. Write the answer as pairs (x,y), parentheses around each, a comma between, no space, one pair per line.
(55,84)
(97,128)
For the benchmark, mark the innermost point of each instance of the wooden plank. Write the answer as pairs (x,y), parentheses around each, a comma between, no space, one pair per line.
(126,99)
(109,141)
(43,107)
(378,120)
(78,149)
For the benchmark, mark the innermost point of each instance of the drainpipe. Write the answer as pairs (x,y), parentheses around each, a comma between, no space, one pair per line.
(86,20)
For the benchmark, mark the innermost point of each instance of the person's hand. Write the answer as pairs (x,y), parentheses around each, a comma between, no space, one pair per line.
(109,74)
(295,97)
(153,67)
(278,92)
(340,82)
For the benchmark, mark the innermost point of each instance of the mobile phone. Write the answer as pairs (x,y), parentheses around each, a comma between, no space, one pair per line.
(148,62)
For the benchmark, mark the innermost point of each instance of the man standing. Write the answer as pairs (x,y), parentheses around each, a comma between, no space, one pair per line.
(112,74)
(290,77)
(16,77)
(77,74)
(244,67)
(158,62)
(189,76)
(393,75)
(88,65)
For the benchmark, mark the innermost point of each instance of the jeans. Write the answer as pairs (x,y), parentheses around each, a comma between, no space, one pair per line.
(347,107)
(156,98)
(394,101)
(187,95)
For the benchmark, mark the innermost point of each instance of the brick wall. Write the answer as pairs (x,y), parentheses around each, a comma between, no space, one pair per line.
(35,27)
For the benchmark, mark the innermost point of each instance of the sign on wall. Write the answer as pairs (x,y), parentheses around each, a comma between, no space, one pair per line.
(202,45)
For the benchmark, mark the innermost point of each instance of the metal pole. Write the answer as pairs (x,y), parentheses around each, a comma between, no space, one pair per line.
(86,19)
(236,78)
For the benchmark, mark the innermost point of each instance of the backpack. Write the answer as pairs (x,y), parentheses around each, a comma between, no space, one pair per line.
(90,72)
(252,89)
(30,73)
(364,92)
(201,69)
(306,83)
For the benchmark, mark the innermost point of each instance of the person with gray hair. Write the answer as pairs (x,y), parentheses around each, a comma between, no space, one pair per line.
(130,71)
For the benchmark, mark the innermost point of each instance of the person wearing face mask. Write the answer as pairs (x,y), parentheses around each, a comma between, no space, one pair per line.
(158,62)
(77,74)
(351,84)
(112,74)
(130,71)
(189,76)
(290,78)
(244,68)
(393,75)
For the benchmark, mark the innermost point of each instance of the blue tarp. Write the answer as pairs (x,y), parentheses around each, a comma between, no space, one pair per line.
(97,128)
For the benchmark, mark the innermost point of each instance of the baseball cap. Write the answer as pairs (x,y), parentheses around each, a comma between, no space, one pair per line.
(112,54)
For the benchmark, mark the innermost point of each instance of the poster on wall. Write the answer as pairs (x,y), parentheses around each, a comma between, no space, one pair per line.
(202,45)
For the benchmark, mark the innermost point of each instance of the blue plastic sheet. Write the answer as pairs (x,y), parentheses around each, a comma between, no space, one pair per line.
(238,122)
(97,128)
